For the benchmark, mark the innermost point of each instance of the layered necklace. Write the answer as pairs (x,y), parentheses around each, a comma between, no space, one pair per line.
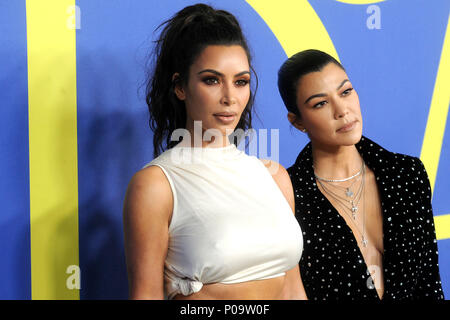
(349,200)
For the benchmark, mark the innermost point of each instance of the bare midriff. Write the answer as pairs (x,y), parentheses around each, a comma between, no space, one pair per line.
(268,289)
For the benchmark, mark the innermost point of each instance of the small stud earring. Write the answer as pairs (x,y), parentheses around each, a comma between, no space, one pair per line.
(303,130)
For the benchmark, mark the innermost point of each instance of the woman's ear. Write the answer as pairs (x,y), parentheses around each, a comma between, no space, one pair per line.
(177,87)
(296,121)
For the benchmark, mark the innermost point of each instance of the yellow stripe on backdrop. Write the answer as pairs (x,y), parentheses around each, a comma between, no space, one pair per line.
(437,116)
(286,17)
(53,148)
(442,223)
(434,132)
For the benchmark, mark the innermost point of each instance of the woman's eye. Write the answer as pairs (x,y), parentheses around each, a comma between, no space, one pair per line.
(347,92)
(211,81)
(242,83)
(320,104)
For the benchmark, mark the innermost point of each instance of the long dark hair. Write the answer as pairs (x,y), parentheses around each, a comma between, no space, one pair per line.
(181,41)
(294,68)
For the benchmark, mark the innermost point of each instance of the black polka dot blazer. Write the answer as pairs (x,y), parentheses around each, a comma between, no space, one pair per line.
(332,266)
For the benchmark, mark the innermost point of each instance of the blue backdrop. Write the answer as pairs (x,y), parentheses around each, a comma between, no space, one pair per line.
(393,69)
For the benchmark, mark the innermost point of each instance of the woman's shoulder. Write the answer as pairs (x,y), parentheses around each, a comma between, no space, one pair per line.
(149,180)
(278,172)
(281,178)
(161,159)
(148,196)
(395,168)
(377,155)
(275,168)
(399,162)
(408,162)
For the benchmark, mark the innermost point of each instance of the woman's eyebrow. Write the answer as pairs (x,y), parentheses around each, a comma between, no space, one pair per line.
(242,73)
(342,83)
(323,94)
(221,74)
(211,71)
(315,96)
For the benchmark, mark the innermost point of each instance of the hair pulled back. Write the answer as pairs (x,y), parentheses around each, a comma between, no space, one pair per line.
(294,68)
(182,39)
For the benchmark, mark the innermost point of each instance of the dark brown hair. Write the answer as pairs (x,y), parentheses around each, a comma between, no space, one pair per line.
(181,41)
(294,68)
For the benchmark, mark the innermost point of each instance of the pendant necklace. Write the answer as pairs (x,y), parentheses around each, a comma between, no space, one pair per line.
(360,194)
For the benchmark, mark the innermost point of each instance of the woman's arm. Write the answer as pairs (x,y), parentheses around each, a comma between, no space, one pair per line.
(293,288)
(147,210)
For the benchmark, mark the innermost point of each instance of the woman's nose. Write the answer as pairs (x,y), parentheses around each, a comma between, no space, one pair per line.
(340,110)
(228,97)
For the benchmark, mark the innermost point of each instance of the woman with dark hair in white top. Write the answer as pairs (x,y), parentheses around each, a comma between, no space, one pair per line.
(205,220)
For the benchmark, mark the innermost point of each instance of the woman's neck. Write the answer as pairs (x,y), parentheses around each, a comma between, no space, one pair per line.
(336,163)
(200,138)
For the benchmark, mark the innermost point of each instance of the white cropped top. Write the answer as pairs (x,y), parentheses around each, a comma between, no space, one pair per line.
(230,221)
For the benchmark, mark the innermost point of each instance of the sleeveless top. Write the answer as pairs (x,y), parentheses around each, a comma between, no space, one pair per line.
(230,221)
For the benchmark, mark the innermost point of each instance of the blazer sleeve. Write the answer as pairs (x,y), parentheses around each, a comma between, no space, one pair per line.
(429,281)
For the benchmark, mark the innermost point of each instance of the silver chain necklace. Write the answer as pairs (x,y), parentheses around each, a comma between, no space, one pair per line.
(354,207)
(354,202)
(340,180)
(347,190)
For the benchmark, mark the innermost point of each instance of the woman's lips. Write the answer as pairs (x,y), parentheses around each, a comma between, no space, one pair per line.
(225,118)
(348,127)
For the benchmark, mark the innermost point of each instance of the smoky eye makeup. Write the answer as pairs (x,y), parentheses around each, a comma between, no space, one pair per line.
(242,82)
(210,79)
(319,104)
(347,91)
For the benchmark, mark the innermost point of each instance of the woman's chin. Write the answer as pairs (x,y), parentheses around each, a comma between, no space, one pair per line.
(341,140)
(351,138)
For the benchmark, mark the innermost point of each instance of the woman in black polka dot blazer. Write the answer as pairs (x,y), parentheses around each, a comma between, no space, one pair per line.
(365,212)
